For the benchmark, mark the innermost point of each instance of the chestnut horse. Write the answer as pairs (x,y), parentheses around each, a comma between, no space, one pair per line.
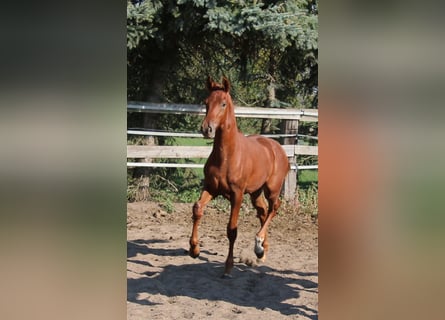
(238,165)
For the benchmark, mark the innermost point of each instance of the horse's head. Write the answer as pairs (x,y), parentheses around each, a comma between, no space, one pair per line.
(218,107)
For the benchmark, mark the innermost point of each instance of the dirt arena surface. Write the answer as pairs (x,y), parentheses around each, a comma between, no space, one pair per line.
(163,282)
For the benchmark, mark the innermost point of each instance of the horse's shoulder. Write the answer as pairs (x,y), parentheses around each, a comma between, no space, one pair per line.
(267,142)
(255,137)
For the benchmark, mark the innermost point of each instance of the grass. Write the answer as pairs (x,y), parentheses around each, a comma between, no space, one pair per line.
(193,142)
(307,177)
(308,200)
(308,192)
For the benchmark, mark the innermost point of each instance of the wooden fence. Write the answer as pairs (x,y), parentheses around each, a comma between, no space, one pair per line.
(291,117)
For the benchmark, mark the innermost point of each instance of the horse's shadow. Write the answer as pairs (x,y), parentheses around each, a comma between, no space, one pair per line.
(260,287)
(142,246)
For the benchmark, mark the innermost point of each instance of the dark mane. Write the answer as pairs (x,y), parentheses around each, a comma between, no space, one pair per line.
(217,89)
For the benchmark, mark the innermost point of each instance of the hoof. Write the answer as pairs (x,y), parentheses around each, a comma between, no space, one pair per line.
(260,256)
(194,253)
(261,259)
(259,249)
(226,276)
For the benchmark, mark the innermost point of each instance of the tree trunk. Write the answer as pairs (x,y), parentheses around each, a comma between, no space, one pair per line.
(266,125)
(155,87)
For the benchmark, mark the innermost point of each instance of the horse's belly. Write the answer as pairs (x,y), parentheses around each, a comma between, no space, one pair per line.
(256,184)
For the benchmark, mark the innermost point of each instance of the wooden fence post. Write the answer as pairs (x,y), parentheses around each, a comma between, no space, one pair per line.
(290,183)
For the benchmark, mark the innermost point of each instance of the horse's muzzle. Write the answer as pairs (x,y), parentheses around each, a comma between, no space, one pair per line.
(208,130)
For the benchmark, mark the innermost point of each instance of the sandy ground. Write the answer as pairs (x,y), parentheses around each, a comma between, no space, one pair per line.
(163,282)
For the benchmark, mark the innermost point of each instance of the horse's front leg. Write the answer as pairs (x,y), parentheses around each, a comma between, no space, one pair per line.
(198,211)
(232,228)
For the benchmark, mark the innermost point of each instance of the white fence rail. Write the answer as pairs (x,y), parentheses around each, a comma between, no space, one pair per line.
(193,152)
(243,112)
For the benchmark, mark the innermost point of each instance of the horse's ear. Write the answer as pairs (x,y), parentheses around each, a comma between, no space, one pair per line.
(209,83)
(226,84)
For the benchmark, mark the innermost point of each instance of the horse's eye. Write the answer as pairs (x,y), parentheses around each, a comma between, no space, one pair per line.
(223,104)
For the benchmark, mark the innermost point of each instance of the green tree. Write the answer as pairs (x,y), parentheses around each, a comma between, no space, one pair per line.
(173,45)
(268,49)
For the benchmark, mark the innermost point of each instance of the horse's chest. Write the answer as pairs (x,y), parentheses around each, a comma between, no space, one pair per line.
(216,176)
(220,178)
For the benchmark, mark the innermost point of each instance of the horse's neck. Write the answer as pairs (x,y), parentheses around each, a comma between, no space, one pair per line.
(226,139)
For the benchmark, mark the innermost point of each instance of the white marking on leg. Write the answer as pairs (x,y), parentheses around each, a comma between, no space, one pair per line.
(259,249)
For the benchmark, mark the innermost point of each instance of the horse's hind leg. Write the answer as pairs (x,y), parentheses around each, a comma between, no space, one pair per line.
(261,244)
(258,201)
(198,211)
